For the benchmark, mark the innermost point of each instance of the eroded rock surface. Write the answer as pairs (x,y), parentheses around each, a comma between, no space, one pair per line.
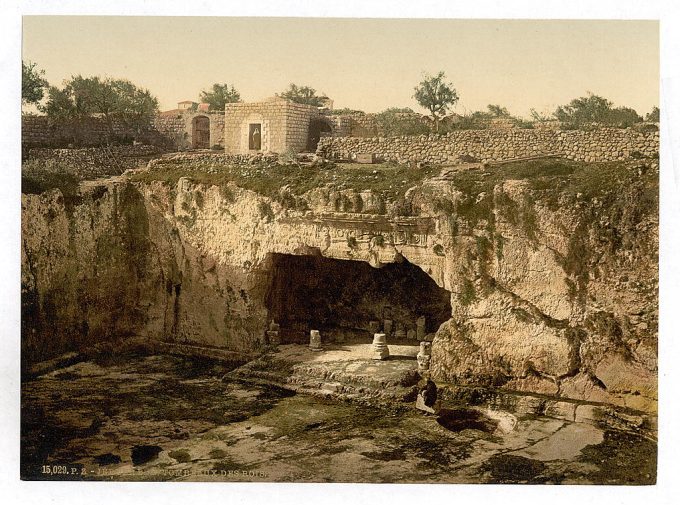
(553,274)
(170,418)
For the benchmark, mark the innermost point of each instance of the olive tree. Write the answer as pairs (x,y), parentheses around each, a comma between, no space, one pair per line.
(653,116)
(115,100)
(33,83)
(302,94)
(220,95)
(436,95)
(585,111)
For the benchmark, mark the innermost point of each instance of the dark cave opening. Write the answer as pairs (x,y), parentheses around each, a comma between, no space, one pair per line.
(341,297)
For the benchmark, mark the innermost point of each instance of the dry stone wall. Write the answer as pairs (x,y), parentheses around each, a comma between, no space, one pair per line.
(170,131)
(88,163)
(607,144)
(211,162)
(39,131)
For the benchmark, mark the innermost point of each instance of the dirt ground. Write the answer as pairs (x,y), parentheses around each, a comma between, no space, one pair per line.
(133,417)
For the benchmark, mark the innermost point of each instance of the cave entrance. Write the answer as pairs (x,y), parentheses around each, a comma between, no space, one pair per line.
(341,297)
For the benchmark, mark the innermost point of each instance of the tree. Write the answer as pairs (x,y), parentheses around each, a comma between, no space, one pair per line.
(623,117)
(302,94)
(61,105)
(396,121)
(496,111)
(584,111)
(33,83)
(135,107)
(97,96)
(115,100)
(435,95)
(653,117)
(540,117)
(220,95)
(63,108)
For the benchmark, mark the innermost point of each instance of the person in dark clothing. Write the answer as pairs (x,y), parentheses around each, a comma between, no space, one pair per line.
(429,392)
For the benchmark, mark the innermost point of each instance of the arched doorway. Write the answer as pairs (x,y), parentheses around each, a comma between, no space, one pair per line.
(316,128)
(200,132)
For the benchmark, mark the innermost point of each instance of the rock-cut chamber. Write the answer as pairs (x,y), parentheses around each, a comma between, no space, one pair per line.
(341,297)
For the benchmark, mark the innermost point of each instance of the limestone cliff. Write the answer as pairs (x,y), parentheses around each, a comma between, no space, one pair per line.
(553,280)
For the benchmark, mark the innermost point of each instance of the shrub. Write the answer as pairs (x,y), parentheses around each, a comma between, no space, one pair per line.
(200,199)
(266,211)
(468,293)
(587,112)
(37,183)
(398,122)
(227,194)
(181,456)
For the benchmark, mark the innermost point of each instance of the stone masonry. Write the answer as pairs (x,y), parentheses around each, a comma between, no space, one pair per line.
(173,130)
(178,127)
(284,125)
(607,144)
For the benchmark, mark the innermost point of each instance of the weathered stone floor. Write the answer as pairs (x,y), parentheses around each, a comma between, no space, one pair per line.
(344,370)
(170,418)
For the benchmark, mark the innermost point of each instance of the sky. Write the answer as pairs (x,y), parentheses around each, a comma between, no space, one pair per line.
(366,64)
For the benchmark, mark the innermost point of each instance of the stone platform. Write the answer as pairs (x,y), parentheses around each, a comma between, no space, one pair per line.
(345,370)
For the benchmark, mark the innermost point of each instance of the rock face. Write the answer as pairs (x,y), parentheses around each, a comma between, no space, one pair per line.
(552,292)
(88,274)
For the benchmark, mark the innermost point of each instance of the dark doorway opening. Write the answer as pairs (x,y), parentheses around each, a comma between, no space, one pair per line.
(341,297)
(316,128)
(255,137)
(201,132)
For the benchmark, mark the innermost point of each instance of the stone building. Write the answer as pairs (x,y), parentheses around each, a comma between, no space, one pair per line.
(192,126)
(187,105)
(274,125)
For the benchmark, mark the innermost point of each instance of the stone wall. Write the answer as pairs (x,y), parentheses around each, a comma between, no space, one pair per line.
(210,162)
(41,132)
(354,125)
(606,144)
(177,127)
(87,163)
(172,131)
(285,125)
(369,125)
